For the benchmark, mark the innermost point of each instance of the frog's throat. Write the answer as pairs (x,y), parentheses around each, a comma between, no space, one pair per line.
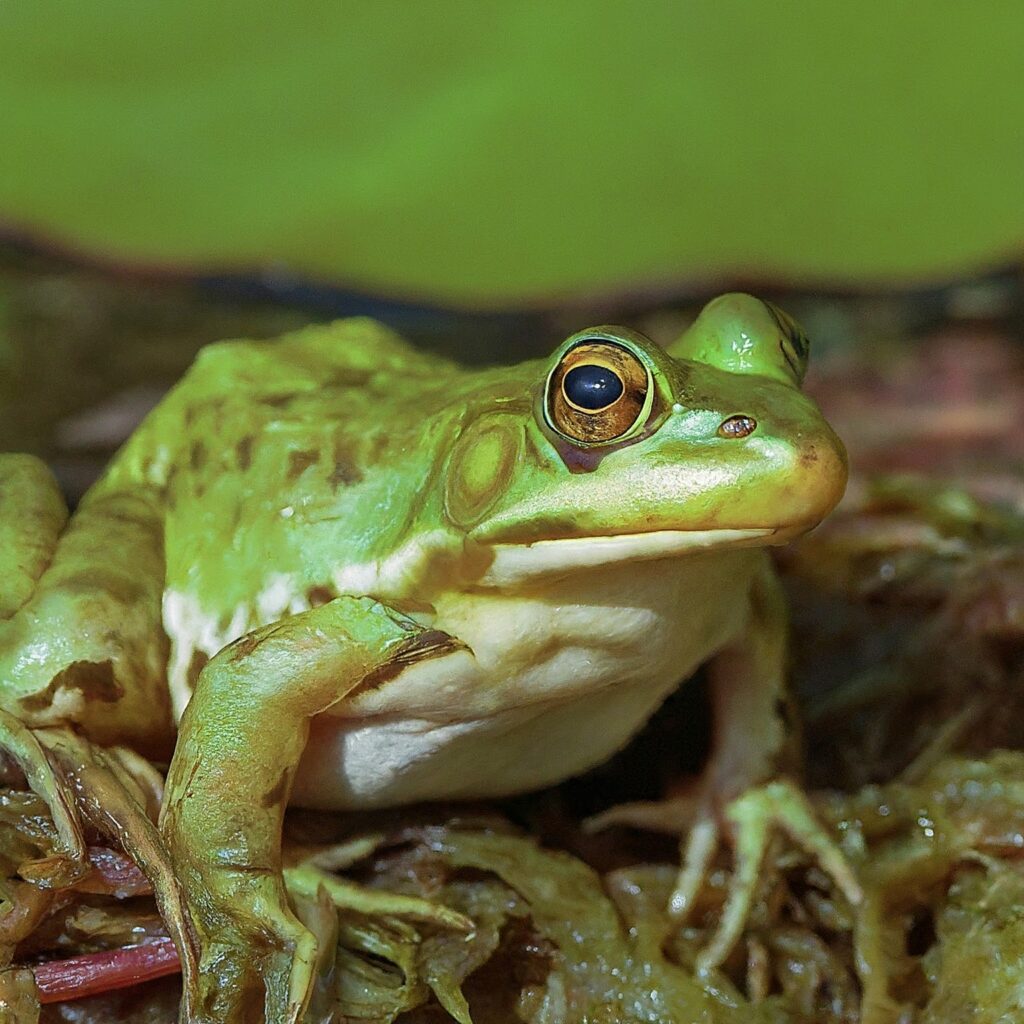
(514,563)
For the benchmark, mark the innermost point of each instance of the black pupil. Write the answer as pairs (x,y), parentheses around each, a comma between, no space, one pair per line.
(592,387)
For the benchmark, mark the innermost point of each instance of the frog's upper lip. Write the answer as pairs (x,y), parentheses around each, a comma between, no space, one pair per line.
(517,562)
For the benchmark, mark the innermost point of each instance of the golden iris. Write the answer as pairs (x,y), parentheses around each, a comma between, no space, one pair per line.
(597,392)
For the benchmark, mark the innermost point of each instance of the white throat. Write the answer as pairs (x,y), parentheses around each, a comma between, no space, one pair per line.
(516,563)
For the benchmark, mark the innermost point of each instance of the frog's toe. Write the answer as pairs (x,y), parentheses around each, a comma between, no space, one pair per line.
(673,815)
(750,820)
(307,880)
(297,972)
(701,846)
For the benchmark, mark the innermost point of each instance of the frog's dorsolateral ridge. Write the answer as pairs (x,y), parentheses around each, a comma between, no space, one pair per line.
(362,576)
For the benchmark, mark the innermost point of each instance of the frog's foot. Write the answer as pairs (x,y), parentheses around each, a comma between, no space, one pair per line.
(307,880)
(257,963)
(258,958)
(750,820)
(70,861)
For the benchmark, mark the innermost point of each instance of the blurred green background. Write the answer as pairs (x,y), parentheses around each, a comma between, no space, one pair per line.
(499,154)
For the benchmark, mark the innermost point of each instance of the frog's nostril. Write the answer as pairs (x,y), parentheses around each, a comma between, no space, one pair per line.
(737,426)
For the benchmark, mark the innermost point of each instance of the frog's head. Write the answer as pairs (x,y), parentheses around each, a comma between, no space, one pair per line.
(634,451)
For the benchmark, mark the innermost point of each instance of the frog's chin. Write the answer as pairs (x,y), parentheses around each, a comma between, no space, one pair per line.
(516,563)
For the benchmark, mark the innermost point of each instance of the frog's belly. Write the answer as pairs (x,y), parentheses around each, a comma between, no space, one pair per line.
(555,682)
(352,764)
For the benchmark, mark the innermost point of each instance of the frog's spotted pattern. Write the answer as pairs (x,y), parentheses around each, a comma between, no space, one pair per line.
(94,680)
(345,471)
(300,461)
(363,575)
(196,664)
(243,452)
(320,595)
(197,456)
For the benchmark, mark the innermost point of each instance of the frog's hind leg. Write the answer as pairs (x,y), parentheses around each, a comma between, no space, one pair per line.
(32,515)
(754,738)
(81,635)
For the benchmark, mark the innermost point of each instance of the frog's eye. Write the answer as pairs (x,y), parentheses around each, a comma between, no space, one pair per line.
(598,392)
(737,426)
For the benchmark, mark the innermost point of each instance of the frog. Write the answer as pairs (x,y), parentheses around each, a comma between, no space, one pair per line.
(333,571)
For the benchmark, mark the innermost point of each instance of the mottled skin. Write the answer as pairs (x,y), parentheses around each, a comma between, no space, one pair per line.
(362,575)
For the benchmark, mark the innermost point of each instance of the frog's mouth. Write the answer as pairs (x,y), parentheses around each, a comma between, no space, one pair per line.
(515,563)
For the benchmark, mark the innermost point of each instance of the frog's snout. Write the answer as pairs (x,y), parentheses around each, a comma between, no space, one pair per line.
(816,480)
(788,482)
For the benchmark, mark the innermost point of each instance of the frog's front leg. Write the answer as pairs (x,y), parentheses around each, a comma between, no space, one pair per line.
(239,744)
(753,728)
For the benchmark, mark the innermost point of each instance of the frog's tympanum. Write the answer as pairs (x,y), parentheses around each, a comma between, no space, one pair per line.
(361,576)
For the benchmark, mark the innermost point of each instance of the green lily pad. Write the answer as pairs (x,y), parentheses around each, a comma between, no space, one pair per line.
(518,153)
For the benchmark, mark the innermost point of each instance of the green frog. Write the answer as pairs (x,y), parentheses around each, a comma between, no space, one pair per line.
(358,575)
